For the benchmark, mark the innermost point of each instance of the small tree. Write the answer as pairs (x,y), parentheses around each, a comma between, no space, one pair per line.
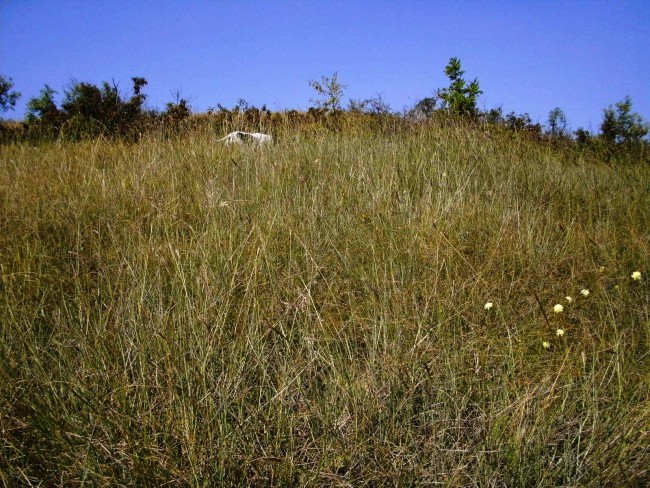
(459,98)
(620,125)
(331,92)
(556,123)
(8,98)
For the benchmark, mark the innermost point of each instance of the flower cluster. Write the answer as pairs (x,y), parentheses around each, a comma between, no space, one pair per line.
(558,308)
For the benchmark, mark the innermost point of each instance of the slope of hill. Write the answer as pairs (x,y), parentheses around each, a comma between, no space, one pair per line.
(315,312)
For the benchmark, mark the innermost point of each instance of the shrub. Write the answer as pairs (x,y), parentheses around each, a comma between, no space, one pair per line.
(87,111)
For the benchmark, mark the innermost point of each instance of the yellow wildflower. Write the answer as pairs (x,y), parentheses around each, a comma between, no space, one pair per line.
(559,332)
(636,276)
(558,308)
(584,293)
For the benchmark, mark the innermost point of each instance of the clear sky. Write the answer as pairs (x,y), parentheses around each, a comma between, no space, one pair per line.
(529,56)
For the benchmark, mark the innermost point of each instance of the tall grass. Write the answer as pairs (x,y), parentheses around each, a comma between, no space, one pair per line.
(177,311)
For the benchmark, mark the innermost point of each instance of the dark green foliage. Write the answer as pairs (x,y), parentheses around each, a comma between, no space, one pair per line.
(103,110)
(460,97)
(87,111)
(8,98)
(87,100)
(42,107)
(44,118)
(622,126)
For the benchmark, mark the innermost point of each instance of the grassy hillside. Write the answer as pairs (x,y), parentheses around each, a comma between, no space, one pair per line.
(313,313)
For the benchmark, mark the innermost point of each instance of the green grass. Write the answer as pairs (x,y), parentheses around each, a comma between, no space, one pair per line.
(177,311)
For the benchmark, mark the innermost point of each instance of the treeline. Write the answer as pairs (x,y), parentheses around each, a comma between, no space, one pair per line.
(622,131)
(88,111)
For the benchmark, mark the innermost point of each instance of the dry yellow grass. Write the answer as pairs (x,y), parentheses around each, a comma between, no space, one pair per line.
(176,311)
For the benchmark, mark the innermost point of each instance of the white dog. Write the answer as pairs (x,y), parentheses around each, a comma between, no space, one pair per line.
(238,137)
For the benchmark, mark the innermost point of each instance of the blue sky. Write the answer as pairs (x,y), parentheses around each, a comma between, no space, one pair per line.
(529,56)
